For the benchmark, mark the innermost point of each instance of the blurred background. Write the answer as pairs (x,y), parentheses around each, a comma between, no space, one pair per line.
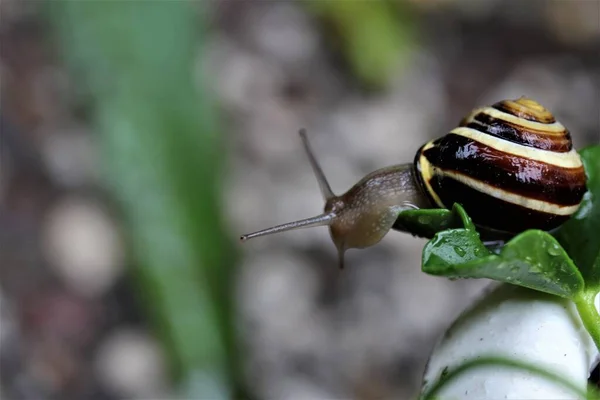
(139,139)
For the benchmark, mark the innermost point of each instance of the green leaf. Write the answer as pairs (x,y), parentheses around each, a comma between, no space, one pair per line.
(452,248)
(425,222)
(580,236)
(533,259)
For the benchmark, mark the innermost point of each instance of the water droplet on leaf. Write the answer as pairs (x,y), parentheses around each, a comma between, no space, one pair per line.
(554,250)
(460,251)
(424,220)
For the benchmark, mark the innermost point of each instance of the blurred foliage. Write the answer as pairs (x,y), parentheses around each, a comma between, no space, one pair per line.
(162,155)
(374,37)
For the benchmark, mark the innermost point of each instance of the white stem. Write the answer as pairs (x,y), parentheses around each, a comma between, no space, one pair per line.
(520,324)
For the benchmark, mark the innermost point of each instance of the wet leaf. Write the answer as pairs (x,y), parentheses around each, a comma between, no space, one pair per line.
(451,248)
(533,259)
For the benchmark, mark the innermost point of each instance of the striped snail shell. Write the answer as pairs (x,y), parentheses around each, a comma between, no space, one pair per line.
(512,167)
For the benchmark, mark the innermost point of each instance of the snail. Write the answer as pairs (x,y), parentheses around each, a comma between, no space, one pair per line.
(511,166)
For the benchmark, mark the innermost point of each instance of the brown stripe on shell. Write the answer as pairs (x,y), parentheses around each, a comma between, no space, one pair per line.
(490,212)
(525,177)
(485,123)
(527,109)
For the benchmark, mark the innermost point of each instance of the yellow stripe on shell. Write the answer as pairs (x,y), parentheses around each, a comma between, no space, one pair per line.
(553,129)
(529,107)
(427,174)
(509,197)
(569,159)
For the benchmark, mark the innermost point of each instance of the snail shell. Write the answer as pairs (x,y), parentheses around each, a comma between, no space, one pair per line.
(512,166)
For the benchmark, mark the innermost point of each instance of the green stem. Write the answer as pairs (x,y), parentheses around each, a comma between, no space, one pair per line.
(589,314)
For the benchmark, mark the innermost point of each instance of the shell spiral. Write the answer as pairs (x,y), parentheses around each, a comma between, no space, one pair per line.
(511,165)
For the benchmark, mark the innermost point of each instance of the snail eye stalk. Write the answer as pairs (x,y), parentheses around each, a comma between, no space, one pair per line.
(324,219)
(318,171)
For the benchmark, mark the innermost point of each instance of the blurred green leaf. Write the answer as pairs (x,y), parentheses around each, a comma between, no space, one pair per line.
(580,236)
(163,160)
(374,37)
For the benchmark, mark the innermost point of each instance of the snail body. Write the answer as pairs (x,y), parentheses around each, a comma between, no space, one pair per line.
(511,165)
